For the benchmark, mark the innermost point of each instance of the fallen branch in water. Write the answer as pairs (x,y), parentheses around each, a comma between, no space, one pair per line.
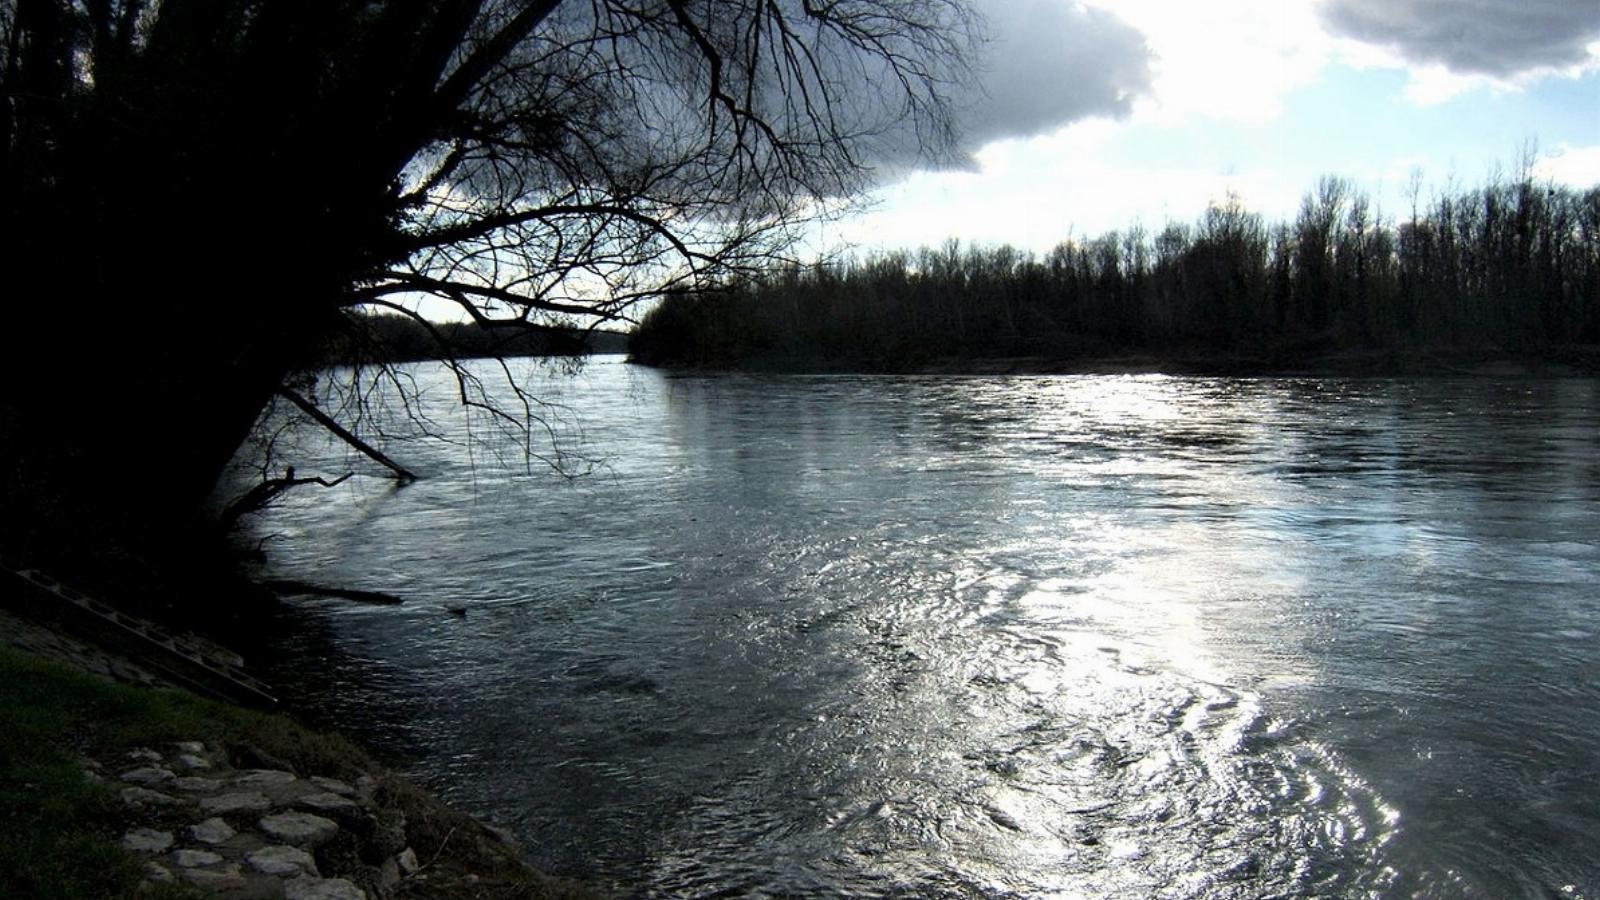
(401,473)
(262,495)
(291,586)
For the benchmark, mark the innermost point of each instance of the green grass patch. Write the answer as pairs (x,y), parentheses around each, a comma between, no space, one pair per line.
(59,831)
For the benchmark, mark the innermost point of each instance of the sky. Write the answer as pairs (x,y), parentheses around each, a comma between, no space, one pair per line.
(1101,114)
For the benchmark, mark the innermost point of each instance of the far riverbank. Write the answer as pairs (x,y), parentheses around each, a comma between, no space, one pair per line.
(1564,362)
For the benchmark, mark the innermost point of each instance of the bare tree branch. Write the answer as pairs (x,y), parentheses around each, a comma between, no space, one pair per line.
(344,434)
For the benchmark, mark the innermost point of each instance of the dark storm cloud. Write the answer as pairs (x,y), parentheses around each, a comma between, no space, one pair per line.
(1487,37)
(1044,64)
(1051,62)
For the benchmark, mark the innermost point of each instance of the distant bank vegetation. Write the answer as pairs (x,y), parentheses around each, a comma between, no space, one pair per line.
(385,337)
(1513,267)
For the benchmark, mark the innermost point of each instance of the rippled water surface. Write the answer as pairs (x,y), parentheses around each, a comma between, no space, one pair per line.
(990,637)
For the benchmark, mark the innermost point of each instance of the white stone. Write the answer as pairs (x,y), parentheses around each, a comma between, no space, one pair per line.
(282,860)
(322,889)
(326,802)
(196,784)
(189,747)
(408,861)
(300,829)
(144,754)
(226,878)
(193,859)
(211,831)
(257,777)
(252,801)
(138,796)
(191,761)
(146,775)
(157,872)
(333,786)
(146,840)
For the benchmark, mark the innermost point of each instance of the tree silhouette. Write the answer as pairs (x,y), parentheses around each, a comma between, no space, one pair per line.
(1512,268)
(249,171)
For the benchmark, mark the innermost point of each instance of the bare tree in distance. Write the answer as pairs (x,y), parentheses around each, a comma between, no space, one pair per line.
(195,194)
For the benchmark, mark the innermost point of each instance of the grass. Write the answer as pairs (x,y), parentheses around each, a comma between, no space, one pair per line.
(60,831)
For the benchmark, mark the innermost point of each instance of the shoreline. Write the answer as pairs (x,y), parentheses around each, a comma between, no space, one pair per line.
(1569,362)
(151,773)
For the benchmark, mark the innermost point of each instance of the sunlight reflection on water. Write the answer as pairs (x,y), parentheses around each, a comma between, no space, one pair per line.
(1083,636)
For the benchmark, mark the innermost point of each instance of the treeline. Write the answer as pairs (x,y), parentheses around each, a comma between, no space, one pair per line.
(1511,267)
(387,337)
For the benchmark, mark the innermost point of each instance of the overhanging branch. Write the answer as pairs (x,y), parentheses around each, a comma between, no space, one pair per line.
(344,434)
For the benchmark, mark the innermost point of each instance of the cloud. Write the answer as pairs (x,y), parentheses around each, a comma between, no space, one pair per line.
(1575,166)
(1497,38)
(1042,65)
(1049,63)
(1230,60)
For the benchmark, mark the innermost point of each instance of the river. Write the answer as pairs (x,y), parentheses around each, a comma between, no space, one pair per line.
(1068,636)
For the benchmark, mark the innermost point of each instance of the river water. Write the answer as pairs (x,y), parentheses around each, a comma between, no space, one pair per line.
(1084,636)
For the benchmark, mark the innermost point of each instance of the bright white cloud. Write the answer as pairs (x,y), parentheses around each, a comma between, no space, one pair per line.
(1036,193)
(1226,59)
(1575,166)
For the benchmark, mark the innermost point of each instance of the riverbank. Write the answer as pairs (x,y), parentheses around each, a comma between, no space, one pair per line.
(1571,361)
(113,784)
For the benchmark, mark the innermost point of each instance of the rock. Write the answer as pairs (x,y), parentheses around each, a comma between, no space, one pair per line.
(138,796)
(407,861)
(388,876)
(249,756)
(333,786)
(144,755)
(194,747)
(192,761)
(300,829)
(249,801)
(211,831)
(196,785)
(146,840)
(157,872)
(282,860)
(223,879)
(146,775)
(322,889)
(326,802)
(193,859)
(263,778)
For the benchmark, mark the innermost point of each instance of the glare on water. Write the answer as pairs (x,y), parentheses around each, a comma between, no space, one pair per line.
(1089,636)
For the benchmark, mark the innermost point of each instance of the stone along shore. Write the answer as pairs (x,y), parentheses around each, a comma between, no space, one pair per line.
(258,832)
